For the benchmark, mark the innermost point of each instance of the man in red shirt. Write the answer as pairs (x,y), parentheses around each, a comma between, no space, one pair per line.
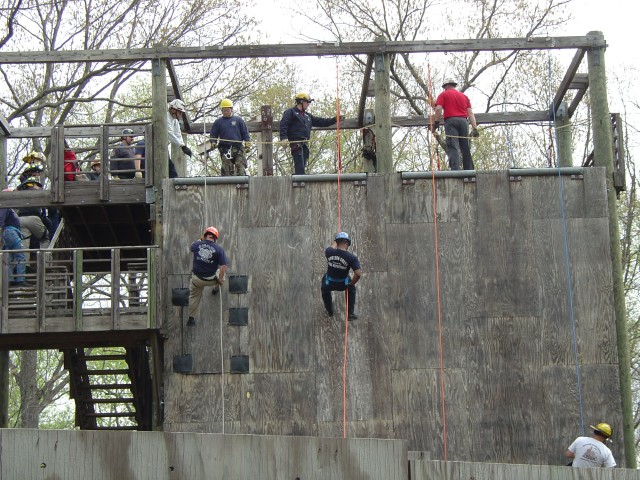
(455,107)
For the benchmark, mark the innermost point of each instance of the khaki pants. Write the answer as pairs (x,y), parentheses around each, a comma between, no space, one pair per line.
(33,226)
(195,291)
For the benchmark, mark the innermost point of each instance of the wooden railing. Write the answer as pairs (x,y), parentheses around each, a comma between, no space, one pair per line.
(74,290)
(98,144)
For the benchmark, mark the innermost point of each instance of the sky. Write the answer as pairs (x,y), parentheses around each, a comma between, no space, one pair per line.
(615,18)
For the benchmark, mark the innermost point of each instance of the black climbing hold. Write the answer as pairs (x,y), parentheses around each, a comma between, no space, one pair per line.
(239,364)
(239,316)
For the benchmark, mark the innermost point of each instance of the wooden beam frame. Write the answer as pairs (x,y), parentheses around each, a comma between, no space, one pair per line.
(304,49)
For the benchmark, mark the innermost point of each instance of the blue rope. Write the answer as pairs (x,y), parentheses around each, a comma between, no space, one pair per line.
(566,259)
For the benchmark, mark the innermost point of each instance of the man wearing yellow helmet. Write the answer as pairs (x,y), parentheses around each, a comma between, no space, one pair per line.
(228,134)
(592,451)
(295,127)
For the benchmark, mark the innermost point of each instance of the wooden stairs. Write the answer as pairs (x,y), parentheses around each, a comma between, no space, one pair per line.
(112,388)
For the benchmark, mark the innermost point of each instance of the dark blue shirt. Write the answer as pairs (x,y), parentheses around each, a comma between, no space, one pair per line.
(126,152)
(8,218)
(339,262)
(296,124)
(139,150)
(207,256)
(229,131)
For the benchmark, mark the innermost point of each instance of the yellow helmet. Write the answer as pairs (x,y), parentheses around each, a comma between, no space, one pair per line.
(303,96)
(226,103)
(604,429)
(35,157)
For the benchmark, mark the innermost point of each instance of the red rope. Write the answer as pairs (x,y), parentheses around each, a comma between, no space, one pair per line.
(346,320)
(437,264)
(338,150)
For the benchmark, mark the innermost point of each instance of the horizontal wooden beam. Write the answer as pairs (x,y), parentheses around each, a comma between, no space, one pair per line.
(255,126)
(413,121)
(303,49)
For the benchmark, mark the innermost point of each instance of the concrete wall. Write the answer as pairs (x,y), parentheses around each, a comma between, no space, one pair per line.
(509,377)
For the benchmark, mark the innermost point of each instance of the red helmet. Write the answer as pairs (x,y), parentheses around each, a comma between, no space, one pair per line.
(213,230)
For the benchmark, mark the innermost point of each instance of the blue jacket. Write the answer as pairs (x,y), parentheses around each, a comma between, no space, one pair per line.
(296,125)
(231,128)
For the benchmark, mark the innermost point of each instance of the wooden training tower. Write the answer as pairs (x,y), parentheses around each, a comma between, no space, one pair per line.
(481,289)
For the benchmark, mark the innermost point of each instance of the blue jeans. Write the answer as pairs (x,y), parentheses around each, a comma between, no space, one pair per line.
(300,153)
(12,241)
(328,286)
(457,131)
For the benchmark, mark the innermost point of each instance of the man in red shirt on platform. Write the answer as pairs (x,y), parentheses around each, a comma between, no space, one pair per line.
(455,107)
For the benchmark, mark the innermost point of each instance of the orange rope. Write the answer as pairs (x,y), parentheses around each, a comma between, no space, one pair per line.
(346,320)
(437,263)
(338,151)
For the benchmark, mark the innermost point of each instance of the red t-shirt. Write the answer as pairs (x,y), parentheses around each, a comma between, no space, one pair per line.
(454,103)
(70,165)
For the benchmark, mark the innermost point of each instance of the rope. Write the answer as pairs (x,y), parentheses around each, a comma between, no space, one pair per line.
(346,292)
(221,360)
(434,194)
(566,263)
(338,151)
(344,366)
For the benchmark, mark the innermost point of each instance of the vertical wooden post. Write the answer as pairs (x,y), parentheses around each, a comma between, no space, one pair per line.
(3,163)
(160,141)
(4,388)
(105,164)
(563,135)
(57,164)
(78,288)
(115,289)
(382,127)
(603,157)
(265,149)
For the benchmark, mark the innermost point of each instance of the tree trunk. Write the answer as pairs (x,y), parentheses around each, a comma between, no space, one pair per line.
(26,380)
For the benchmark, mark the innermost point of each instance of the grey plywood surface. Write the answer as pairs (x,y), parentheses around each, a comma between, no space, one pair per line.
(489,299)
(144,455)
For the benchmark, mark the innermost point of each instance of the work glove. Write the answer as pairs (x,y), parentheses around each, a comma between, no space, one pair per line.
(138,174)
(247,145)
(218,281)
(475,133)
(214,145)
(186,150)
(282,143)
(434,126)
(115,177)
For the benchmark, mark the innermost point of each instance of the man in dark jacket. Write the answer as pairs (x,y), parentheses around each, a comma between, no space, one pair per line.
(339,262)
(295,127)
(209,266)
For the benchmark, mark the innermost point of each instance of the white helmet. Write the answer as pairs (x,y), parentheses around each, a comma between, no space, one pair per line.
(178,105)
